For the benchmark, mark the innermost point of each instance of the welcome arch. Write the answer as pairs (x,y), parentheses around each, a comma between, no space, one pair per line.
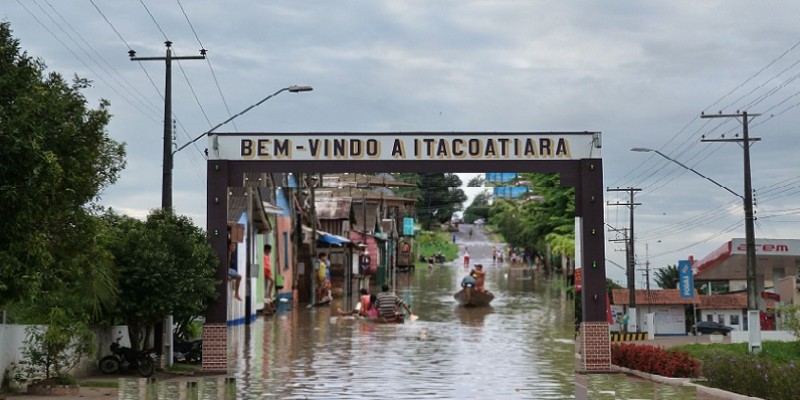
(575,156)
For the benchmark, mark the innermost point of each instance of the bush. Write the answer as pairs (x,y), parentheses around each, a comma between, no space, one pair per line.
(428,243)
(750,375)
(655,360)
(49,353)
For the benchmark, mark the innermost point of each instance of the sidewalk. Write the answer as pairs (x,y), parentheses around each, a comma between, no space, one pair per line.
(86,392)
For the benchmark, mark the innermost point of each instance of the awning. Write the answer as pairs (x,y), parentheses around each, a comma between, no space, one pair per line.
(324,237)
(271,208)
(332,239)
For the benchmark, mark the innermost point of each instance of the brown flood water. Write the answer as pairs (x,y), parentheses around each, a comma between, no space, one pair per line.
(520,348)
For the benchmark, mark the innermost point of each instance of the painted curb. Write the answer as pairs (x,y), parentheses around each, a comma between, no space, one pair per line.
(685,382)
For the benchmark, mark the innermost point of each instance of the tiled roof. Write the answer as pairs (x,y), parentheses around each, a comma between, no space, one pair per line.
(655,296)
(723,301)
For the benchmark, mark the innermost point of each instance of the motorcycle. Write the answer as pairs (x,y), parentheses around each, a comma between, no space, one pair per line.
(187,351)
(125,358)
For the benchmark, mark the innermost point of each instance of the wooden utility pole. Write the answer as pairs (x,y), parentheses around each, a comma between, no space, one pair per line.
(166,182)
(749,228)
(631,253)
(750,237)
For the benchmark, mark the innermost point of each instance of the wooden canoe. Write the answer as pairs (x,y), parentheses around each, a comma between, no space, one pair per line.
(469,297)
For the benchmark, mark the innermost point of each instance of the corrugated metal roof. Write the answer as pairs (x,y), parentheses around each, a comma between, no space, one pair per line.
(361,180)
(371,215)
(357,194)
(333,207)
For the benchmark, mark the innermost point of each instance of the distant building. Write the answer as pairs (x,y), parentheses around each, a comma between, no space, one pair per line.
(667,304)
(727,309)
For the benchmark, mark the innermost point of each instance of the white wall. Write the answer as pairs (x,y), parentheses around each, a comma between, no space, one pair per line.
(13,336)
(778,336)
(669,320)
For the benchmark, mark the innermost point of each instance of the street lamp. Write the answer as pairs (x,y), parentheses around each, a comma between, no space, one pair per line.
(292,89)
(754,327)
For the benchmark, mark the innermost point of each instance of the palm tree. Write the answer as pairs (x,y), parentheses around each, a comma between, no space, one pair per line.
(667,277)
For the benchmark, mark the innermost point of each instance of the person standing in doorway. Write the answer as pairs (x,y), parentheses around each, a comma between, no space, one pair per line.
(233,270)
(268,281)
(323,280)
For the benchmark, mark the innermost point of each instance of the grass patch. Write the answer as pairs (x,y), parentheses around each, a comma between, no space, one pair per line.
(99,384)
(778,352)
(428,243)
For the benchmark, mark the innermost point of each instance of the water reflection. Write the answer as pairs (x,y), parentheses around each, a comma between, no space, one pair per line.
(199,389)
(520,348)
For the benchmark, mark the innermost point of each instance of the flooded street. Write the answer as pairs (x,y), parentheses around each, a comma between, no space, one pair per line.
(521,347)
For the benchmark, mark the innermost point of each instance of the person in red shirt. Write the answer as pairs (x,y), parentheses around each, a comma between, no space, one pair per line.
(268,281)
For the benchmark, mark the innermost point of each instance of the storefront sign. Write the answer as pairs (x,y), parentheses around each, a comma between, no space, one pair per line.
(767,247)
(685,279)
(408,226)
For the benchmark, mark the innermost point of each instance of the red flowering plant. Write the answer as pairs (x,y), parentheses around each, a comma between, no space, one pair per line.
(655,360)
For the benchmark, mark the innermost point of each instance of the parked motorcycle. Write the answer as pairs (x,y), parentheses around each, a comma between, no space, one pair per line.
(187,351)
(125,358)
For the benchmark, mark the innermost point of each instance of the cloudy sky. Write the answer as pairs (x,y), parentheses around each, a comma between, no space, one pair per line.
(640,72)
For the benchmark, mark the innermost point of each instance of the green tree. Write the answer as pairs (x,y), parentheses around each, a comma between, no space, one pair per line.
(543,224)
(476,181)
(438,195)
(479,208)
(166,266)
(667,277)
(57,158)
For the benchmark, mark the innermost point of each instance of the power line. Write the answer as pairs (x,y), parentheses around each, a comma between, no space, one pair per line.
(81,60)
(154,19)
(210,67)
(122,81)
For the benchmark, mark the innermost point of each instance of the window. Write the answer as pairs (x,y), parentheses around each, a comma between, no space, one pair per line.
(721,319)
(744,321)
(734,320)
(710,317)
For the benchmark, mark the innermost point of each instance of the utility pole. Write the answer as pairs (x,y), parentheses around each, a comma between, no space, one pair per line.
(647,273)
(749,229)
(166,185)
(631,252)
(166,182)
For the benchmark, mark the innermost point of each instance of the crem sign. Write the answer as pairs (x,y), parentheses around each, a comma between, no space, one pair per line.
(786,247)
(766,248)
(402,146)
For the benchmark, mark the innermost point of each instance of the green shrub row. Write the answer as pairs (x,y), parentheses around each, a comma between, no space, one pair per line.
(751,375)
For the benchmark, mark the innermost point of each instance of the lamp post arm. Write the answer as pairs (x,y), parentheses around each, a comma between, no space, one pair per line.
(231,119)
(701,175)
